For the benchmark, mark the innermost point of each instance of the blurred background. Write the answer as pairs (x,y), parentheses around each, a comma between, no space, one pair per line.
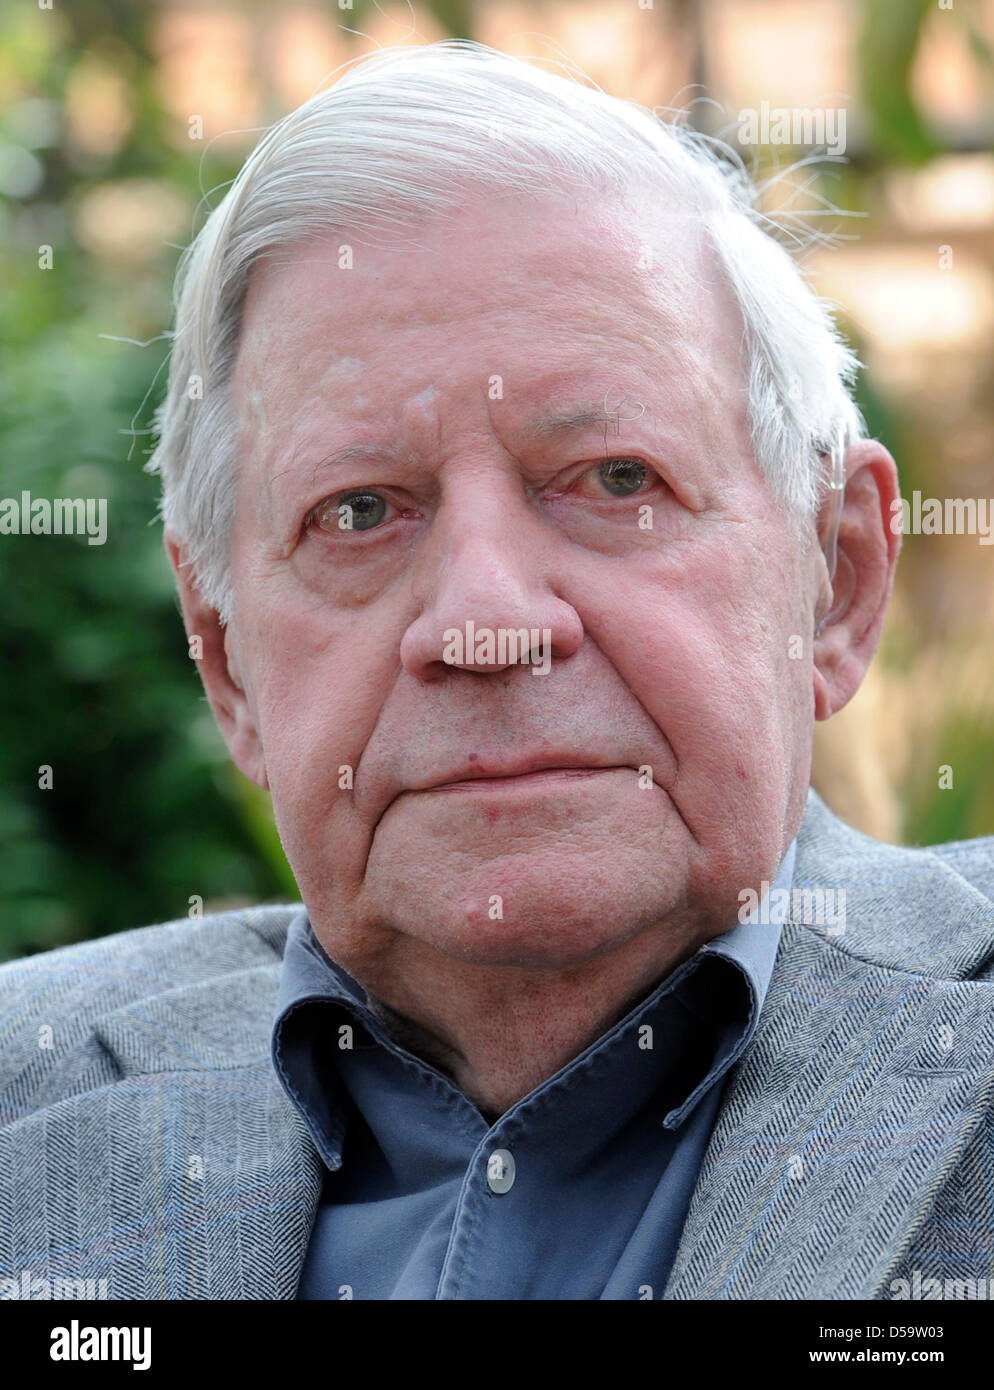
(121,124)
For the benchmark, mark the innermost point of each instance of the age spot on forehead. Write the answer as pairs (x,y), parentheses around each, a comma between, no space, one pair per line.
(344,372)
(341,371)
(420,418)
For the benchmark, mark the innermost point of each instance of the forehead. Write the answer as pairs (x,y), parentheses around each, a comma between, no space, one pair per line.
(565,300)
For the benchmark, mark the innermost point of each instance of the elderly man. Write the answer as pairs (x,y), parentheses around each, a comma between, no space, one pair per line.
(523,527)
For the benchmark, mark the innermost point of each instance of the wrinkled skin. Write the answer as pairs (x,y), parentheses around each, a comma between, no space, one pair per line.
(674,649)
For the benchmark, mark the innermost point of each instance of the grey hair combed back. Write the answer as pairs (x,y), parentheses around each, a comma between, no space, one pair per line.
(394,141)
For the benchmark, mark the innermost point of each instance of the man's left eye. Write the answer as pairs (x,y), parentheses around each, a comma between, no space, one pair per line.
(621,477)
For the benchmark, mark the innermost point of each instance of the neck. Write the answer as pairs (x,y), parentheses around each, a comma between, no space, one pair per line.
(500,1031)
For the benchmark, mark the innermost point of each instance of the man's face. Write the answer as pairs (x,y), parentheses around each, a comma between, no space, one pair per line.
(452,376)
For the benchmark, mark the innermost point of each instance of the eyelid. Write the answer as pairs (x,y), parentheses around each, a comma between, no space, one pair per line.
(334,501)
(583,470)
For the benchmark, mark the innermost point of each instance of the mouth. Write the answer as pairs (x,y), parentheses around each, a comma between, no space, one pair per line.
(517,780)
(540,774)
(480,774)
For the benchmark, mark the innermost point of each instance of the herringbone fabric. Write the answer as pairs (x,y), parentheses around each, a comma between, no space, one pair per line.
(145,1139)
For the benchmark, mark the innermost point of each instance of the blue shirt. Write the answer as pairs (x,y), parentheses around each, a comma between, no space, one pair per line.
(579,1191)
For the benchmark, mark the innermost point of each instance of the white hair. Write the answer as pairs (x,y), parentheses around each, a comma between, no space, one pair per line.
(396,140)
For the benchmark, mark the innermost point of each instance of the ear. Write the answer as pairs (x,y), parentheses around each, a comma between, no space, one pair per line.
(212,646)
(868,546)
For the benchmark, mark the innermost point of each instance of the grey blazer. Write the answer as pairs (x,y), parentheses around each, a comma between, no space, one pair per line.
(145,1139)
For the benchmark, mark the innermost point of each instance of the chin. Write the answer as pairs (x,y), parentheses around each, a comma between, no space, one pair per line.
(557,927)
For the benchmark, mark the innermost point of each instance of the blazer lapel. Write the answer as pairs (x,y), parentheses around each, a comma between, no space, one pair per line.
(860,1090)
(212,1183)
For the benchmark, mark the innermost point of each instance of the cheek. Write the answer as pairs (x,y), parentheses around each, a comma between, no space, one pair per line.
(319,686)
(719,657)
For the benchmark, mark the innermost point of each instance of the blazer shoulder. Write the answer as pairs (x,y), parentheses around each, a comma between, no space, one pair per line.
(50,1002)
(973,860)
(927,909)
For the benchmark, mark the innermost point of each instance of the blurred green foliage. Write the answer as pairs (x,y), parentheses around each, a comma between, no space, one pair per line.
(889,39)
(145,811)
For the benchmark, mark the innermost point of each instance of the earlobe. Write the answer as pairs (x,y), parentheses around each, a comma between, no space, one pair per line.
(212,646)
(868,544)
(232,662)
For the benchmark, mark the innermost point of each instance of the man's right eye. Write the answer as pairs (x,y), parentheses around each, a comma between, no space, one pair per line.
(351,511)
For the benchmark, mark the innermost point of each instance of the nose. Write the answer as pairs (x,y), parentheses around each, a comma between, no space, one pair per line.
(487,573)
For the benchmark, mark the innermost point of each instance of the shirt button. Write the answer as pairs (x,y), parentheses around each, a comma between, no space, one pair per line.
(500,1171)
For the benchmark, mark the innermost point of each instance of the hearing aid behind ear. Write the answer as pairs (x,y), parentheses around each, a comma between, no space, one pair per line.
(830,548)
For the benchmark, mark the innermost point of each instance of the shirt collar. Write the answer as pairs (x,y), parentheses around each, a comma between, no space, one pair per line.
(752,946)
(752,943)
(317,997)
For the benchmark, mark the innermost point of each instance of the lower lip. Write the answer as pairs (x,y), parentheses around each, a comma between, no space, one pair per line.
(526,781)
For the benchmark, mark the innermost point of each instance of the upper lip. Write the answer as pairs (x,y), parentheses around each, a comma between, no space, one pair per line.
(481,768)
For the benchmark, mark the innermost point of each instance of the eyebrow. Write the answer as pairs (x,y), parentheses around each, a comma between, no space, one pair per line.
(562,422)
(577,419)
(349,453)
(356,453)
